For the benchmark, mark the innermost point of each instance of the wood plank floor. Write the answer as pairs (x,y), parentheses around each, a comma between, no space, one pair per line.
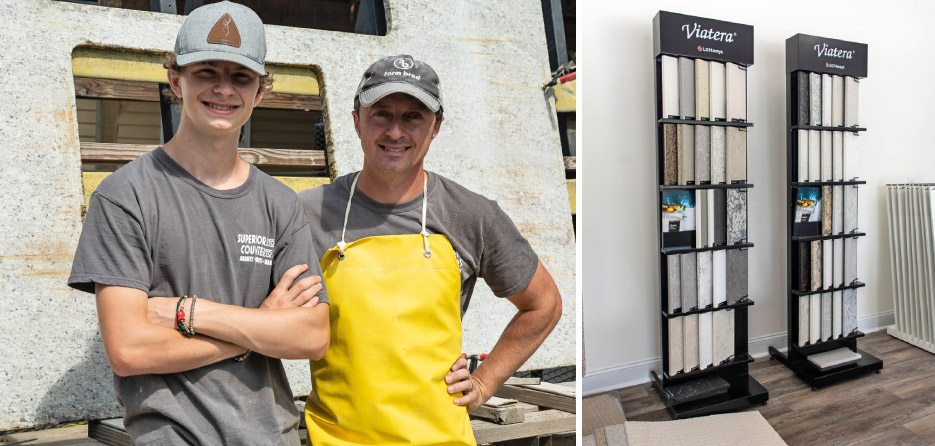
(894,407)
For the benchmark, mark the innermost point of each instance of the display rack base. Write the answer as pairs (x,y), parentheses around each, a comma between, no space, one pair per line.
(817,379)
(744,392)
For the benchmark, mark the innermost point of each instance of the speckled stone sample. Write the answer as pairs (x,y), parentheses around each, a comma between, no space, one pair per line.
(816,265)
(686,88)
(675,346)
(850,260)
(736,155)
(826,99)
(670,159)
(838,276)
(717,93)
(736,92)
(723,335)
(850,101)
(705,340)
(719,277)
(736,275)
(670,87)
(686,153)
(674,288)
(736,216)
(719,210)
(827,208)
(695,389)
(850,156)
(803,320)
(826,316)
(837,209)
(814,318)
(827,264)
(802,155)
(701,218)
(702,90)
(850,208)
(850,311)
(805,267)
(837,156)
(702,154)
(689,293)
(837,302)
(827,151)
(802,87)
(837,101)
(718,155)
(814,155)
(814,99)
(705,285)
(690,342)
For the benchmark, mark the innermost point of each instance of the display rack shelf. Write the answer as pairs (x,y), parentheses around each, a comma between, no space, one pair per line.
(739,304)
(705,186)
(800,184)
(671,251)
(854,285)
(828,128)
(706,122)
(811,238)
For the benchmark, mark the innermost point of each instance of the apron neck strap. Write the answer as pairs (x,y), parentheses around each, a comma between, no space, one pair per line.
(347,212)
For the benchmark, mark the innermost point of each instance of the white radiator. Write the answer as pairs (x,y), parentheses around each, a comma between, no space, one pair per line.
(911,218)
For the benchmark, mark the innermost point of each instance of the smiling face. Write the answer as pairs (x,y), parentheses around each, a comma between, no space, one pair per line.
(217,96)
(395,134)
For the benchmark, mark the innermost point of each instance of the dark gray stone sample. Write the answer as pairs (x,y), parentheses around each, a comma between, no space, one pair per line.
(736,275)
(719,208)
(696,389)
(805,267)
(803,104)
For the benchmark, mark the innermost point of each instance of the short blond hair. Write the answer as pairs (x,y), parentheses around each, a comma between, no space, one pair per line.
(171,64)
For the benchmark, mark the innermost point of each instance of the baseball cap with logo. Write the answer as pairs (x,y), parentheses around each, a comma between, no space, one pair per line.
(222,31)
(400,74)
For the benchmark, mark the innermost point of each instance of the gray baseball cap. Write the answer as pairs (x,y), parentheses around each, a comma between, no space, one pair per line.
(222,31)
(400,74)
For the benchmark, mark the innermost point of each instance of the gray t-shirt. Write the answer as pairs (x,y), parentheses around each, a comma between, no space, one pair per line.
(154,227)
(486,241)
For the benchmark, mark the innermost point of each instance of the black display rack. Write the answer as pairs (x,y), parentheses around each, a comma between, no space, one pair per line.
(804,54)
(670,31)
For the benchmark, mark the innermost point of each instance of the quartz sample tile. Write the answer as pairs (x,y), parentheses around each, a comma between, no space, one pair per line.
(705,279)
(850,260)
(814,318)
(673,280)
(837,209)
(689,293)
(814,155)
(705,340)
(686,153)
(805,267)
(802,104)
(736,87)
(736,275)
(814,99)
(802,155)
(826,99)
(711,217)
(702,90)
(816,265)
(690,342)
(827,208)
(827,151)
(719,277)
(826,316)
(675,346)
(701,218)
(850,156)
(686,88)
(702,154)
(850,208)
(718,155)
(736,216)
(837,156)
(837,101)
(670,87)
(717,92)
(736,155)
(730,350)
(719,211)
(837,302)
(850,101)
(849,311)
(723,337)
(803,320)
(670,161)
(838,275)
(827,264)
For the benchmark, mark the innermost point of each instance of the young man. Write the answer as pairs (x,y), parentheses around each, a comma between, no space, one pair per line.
(191,219)
(404,250)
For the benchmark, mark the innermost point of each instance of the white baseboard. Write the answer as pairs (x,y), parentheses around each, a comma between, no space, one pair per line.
(625,375)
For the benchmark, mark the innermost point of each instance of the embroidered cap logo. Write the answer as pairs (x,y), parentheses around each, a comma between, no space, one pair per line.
(225,32)
(403,63)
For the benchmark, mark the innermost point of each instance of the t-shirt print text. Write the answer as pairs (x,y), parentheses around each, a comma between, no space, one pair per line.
(256,248)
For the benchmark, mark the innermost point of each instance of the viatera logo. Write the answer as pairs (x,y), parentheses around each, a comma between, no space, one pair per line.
(403,63)
(823,50)
(695,30)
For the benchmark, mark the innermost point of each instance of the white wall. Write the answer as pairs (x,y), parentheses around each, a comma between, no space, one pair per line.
(617,220)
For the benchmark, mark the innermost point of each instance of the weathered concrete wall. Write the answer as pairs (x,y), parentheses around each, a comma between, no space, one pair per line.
(499,138)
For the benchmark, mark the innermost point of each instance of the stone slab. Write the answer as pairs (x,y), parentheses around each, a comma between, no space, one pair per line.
(827,264)
(676,355)
(705,340)
(838,273)
(851,157)
(670,158)
(702,154)
(719,277)
(814,99)
(801,155)
(826,316)
(690,342)
(717,94)
(827,154)
(849,311)
(673,281)
(837,101)
(850,260)
(837,209)
(851,96)
(719,210)
(686,88)
(705,279)
(850,208)
(805,266)
(736,216)
(702,90)
(718,155)
(670,87)
(736,91)
(827,99)
(837,156)
(814,155)
(686,153)
(689,265)
(816,265)
(736,155)
(723,347)
(736,275)
(802,103)
(803,338)
(837,302)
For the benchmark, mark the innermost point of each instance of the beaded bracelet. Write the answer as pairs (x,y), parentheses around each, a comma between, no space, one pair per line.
(187,331)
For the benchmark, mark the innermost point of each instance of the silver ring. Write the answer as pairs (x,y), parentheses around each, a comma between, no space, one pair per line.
(472,385)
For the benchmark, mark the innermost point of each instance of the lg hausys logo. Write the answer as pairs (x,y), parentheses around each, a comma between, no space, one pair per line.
(697,32)
(704,49)
(403,63)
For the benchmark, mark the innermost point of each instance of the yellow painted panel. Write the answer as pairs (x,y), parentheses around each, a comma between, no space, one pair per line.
(571,195)
(293,80)
(565,96)
(90,181)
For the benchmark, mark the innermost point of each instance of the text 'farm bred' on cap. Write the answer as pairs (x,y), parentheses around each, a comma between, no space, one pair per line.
(222,31)
(400,74)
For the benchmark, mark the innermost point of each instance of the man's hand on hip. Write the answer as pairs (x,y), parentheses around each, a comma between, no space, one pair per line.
(474,392)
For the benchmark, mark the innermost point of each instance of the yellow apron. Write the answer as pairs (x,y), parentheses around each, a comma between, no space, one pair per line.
(395,332)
